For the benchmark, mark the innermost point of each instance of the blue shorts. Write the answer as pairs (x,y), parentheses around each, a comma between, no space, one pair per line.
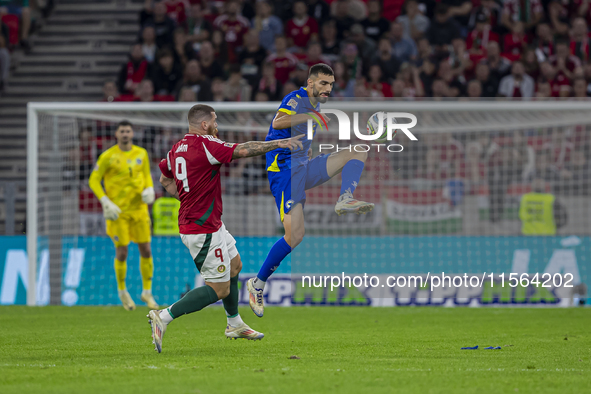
(289,186)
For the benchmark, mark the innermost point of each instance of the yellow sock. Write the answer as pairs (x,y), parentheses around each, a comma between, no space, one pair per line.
(120,273)
(147,270)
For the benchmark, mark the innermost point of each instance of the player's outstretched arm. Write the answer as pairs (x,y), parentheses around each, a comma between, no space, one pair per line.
(257,148)
(283,120)
(170,186)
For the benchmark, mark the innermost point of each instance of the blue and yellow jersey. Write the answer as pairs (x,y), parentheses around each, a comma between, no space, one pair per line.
(297,102)
(126,174)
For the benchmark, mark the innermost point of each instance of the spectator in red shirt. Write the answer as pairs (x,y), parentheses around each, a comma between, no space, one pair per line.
(563,61)
(515,42)
(234,26)
(177,10)
(544,42)
(579,44)
(548,74)
(132,72)
(302,28)
(478,39)
(376,85)
(284,61)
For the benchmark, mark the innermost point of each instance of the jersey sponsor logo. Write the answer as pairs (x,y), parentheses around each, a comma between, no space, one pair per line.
(221,268)
(182,148)
(293,103)
(229,144)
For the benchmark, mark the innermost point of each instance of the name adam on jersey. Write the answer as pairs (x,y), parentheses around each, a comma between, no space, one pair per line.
(182,148)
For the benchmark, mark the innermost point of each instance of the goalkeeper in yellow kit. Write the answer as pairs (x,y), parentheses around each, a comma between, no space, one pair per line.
(125,169)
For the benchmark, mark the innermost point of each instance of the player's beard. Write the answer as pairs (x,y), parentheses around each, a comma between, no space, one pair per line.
(212,131)
(319,98)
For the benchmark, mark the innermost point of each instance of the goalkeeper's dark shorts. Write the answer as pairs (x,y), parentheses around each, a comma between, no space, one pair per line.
(289,186)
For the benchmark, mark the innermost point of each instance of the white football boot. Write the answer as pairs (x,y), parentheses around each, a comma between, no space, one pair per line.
(347,204)
(158,329)
(255,298)
(243,331)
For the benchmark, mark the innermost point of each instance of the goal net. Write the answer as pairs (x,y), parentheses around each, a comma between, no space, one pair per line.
(497,191)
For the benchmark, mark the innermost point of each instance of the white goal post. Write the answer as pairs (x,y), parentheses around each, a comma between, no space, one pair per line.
(46,154)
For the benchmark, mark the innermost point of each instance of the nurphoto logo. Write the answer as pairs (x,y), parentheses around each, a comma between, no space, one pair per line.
(381,128)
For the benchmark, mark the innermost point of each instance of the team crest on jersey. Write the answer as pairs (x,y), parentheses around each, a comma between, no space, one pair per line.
(288,204)
(221,268)
(138,161)
(293,103)
(116,238)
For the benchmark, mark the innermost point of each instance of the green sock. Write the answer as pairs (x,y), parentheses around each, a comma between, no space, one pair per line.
(194,301)
(231,301)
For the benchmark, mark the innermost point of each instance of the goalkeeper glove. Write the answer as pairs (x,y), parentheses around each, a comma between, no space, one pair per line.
(148,195)
(110,210)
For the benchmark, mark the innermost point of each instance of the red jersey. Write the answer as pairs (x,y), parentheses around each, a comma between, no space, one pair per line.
(177,10)
(194,163)
(233,30)
(284,65)
(301,32)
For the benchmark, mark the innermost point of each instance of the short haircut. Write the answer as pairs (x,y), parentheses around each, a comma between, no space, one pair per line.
(199,112)
(124,123)
(320,68)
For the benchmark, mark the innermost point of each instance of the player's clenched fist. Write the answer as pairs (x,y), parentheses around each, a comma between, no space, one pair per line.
(110,210)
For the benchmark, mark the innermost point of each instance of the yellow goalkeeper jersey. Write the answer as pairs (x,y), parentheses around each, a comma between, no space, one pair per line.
(126,175)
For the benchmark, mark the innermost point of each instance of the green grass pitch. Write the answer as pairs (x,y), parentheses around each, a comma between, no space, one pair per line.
(339,350)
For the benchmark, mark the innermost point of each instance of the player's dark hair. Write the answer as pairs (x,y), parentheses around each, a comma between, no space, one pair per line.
(124,123)
(198,112)
(320,68)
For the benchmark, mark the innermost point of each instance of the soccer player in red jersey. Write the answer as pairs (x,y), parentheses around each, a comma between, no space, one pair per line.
(191,173)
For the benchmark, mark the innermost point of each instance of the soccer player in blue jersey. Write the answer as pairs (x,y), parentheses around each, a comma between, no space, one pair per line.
(292,173)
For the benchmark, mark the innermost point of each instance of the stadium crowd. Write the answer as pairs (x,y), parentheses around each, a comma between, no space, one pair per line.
(191,50)
(262,50)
